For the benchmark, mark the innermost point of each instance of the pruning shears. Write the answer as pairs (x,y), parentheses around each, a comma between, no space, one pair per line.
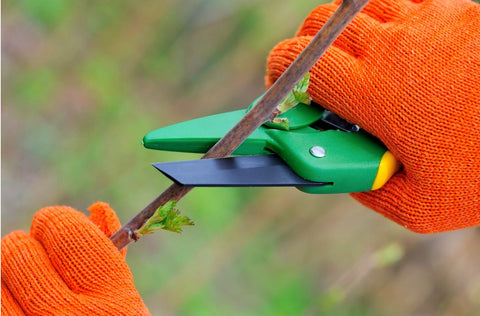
(317,152)
(193,137)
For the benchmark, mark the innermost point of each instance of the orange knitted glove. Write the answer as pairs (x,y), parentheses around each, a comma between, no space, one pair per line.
(407,72)
(67,266)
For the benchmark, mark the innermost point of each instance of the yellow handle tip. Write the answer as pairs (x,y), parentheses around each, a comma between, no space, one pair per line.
(389,165)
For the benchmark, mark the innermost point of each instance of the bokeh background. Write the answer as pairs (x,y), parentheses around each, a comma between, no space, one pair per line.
(83,81)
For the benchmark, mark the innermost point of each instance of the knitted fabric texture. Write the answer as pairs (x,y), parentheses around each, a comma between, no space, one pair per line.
(67,266)
(407,72)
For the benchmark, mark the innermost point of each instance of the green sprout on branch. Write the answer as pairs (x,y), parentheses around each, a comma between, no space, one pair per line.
(167,217)
(298,95)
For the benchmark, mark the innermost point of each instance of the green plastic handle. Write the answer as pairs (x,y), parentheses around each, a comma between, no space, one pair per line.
(349,161)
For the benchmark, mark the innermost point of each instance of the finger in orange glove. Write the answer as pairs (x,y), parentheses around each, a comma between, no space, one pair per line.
(407,72)
(68,266)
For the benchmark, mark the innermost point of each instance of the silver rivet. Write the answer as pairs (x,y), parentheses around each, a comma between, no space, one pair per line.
(318,151)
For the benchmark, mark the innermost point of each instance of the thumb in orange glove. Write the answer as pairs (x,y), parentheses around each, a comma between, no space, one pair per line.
(408,72)
(67,266)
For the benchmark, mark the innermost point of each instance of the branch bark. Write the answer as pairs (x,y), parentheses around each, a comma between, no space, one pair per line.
(256,116)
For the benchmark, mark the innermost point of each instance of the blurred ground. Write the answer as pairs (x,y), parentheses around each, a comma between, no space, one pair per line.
(83,81)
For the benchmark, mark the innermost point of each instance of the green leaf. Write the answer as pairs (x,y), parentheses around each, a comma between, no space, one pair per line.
(302,97)
(167,217)
(287,103)
(298,95)
(282,122)
(302,85)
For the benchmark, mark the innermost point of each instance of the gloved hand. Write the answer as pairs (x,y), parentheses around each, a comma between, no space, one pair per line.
(68,266)
(408,72)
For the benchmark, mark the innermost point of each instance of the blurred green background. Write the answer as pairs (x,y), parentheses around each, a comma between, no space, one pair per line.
(83,81)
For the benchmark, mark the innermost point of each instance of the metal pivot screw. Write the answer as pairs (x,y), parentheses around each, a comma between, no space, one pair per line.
(318,151)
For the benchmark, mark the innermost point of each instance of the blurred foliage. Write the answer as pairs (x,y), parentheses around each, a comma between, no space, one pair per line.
(83,81)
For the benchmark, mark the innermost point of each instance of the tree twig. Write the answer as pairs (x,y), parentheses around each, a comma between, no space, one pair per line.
(259,114)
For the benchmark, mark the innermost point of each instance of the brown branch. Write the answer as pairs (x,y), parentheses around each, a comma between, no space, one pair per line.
(261,113)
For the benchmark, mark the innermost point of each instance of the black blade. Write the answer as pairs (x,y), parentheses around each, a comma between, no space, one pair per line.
(246,171)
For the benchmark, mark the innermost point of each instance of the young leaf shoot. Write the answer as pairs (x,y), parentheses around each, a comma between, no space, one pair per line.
(298,95)
(167,217)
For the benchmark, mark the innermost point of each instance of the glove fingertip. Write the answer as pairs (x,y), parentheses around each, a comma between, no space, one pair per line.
(104,217)
(13,241)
